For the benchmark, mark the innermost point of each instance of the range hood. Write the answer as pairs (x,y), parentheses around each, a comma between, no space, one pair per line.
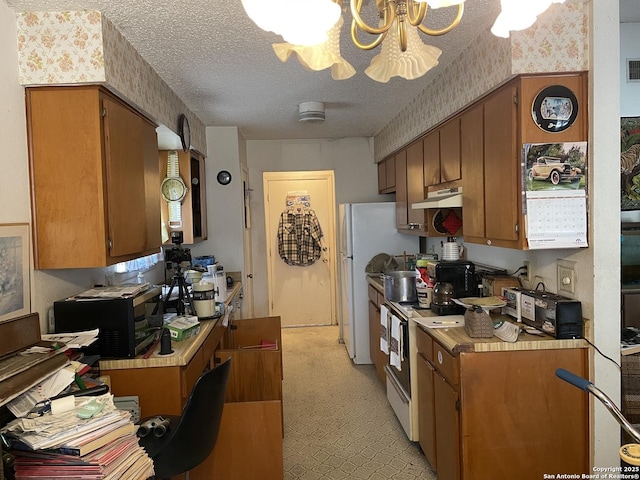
(447,198)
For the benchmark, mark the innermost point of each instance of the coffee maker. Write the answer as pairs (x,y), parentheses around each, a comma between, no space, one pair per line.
(461,275)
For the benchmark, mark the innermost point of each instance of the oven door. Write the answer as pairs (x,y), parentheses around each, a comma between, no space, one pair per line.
(403,376)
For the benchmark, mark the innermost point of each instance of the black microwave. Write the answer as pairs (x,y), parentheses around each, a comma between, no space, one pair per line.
(123,323)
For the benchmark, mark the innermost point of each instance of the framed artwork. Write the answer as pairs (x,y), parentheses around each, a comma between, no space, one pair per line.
(14,271)
(554,109)
(630,163)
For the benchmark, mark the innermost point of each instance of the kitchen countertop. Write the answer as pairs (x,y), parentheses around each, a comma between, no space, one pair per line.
(183,351)
(375,281)
(456,340)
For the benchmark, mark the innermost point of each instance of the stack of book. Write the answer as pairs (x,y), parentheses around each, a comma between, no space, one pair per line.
(64,445)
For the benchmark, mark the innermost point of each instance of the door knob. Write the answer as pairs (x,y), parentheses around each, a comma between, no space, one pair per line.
(249,275)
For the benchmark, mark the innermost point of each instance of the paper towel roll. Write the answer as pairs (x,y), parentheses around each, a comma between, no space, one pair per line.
(64,404)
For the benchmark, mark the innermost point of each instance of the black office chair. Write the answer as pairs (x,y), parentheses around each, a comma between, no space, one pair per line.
(191,436)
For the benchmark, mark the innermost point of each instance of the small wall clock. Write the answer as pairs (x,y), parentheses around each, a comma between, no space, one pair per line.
(185,132)
(224,177)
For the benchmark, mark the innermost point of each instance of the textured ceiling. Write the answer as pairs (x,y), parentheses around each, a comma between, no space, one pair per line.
(224,69)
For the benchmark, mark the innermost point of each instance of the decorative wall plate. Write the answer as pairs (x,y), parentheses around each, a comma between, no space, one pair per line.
(555,108)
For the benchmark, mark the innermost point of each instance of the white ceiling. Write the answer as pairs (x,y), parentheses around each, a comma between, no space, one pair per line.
(224,69)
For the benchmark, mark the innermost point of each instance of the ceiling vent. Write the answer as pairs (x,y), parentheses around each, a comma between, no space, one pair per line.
(311,112)
(633,69)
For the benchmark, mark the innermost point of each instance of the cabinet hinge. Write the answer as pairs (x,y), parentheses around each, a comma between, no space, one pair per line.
(517,228)
(109,244)
(458,404)
(515,99)
(104,112)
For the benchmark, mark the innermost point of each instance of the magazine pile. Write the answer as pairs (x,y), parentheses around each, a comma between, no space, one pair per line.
(89,438)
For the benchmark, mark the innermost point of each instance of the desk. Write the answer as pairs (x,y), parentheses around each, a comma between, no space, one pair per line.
(249,443)
(173,374)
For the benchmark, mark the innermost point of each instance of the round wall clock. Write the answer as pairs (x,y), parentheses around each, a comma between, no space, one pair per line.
(224,177)
(185,132)
(554,109)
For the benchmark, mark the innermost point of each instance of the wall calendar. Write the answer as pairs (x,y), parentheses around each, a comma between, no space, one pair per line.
(554,182)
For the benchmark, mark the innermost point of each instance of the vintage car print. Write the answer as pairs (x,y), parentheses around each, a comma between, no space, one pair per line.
(554,170)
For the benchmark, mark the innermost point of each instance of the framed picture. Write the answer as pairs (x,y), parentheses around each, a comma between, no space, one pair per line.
(630,163)
(14,271)
(554,109)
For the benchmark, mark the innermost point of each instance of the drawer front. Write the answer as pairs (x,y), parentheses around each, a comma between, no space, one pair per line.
(424,343)
(445,363)
(373,294)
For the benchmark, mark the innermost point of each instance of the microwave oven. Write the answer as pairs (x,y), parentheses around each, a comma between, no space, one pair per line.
(123,323)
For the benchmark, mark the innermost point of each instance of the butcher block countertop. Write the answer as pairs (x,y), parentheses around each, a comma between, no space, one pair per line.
(183,351)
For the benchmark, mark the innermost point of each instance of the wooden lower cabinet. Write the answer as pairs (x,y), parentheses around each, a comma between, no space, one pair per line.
(378,357)
(501,414)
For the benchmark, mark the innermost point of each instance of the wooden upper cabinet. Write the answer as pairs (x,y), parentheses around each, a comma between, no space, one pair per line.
(94,178)
(401,190)
(502,182)
(194,205)
(450,151)
(531,86)
(387,175)
(431,149)
(415,184)
(472,167)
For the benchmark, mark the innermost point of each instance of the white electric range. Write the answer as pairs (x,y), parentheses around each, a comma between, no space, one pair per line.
(402,383)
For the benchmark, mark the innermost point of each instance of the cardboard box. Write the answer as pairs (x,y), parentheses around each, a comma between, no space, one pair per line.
(184,327)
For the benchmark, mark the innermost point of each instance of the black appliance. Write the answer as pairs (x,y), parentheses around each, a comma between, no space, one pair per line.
(123,323)
(558,316)
(461,274)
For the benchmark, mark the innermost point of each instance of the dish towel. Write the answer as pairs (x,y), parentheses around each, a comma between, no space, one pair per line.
(384,329)
(395,348)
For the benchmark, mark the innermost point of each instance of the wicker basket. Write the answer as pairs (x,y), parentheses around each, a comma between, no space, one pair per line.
(478,323)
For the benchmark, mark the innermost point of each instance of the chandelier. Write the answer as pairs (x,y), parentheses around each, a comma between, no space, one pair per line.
(316,43)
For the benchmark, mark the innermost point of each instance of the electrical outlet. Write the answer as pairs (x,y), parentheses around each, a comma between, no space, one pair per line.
(538,280)
(527,276)
(566,278)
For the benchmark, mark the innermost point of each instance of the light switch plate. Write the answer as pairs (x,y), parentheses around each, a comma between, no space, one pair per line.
(566,278)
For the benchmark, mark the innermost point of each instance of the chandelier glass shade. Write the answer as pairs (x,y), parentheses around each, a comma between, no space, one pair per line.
(287,18)
(414,61)
(321,56)
(516,15)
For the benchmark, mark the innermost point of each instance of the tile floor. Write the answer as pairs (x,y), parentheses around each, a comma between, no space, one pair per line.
(337,421)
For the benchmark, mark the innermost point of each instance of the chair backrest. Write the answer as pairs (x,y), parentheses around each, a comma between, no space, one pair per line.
(195,435)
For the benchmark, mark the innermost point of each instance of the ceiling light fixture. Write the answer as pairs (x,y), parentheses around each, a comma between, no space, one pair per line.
(517,15)
(403,53)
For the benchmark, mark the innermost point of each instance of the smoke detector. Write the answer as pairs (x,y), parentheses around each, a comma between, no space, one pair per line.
(311,112)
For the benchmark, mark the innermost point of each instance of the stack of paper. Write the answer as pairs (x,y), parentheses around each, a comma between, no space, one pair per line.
(67,446)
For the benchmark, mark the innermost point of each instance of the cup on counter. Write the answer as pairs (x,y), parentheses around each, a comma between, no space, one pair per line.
(451,251)
(424,296)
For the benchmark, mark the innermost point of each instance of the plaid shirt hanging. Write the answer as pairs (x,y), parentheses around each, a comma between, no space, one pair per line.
(299,236)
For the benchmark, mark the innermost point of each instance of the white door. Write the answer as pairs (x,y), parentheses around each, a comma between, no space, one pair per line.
(301,295)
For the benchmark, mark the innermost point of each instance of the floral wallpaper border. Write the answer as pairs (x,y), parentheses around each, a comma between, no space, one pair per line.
(85,47)
(558,42)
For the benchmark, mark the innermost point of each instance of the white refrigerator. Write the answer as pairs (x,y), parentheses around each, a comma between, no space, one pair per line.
(366,229)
